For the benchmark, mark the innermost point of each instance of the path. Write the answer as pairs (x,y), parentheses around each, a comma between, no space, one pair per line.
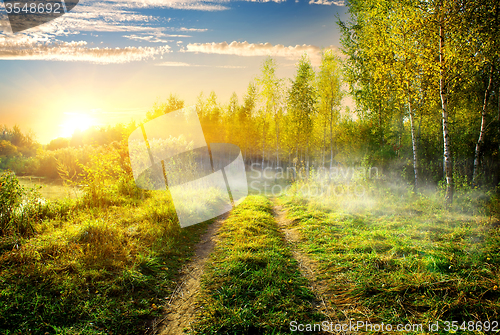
(182,305)
(307,267)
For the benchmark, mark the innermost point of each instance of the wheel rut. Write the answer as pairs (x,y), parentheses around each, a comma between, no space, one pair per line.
(182,305)
(308,267)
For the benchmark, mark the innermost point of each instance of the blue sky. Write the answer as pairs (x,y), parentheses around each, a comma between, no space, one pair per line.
(111,60)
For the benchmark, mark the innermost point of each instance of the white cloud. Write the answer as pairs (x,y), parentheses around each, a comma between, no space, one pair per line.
(152,38)
(175,64)
(253,49)
(339,3)
(170,35)
(230,67)
(174,4)
(111,16)
(191,29)
(25,48)
(183,64)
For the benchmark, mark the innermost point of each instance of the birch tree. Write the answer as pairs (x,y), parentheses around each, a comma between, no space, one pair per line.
(329,95)
(301,105)
(271,98)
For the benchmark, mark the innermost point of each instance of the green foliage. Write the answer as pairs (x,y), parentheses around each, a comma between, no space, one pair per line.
(7,148)
(106,174)
(173,103)
(10,197)
(58,143)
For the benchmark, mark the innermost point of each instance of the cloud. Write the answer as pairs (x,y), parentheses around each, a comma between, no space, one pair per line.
(112,16)
(24,48)
(264,1)
(192,29)
(183,64)
(340,3)
(200,5)
(230,67)
(175,64)
(253,49)
(152,38)
(170,35)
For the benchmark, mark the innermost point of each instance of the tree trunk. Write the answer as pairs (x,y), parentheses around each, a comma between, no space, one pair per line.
(331,136)
(380,124)
(277,144)
(498,156)
(444,107)
(323,149)
(414,145)
(263,142)
(479,144)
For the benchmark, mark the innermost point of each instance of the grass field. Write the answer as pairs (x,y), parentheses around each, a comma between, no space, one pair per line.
(94,270)
(49,189)
(401,260)
(387,255)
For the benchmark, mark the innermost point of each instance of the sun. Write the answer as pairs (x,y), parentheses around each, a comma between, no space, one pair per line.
(74,122)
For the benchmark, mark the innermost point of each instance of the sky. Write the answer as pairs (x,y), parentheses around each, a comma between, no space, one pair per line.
(106,62)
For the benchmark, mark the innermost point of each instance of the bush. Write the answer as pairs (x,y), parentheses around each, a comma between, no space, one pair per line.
(23,166)
(19,207)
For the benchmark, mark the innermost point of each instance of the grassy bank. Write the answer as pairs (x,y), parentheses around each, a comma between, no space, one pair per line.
(401,260)
(252,284)
(101,270)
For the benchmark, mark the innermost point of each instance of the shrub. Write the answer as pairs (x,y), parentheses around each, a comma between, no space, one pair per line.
(10,197)
(18,208)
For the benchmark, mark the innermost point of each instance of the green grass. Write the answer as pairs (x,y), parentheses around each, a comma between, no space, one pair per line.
(401,259)
(50,189)
(252,284)
(104,270)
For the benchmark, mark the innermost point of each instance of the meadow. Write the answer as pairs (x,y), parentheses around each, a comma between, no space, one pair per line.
(50,189)
(403,259)
(109,266)
(74,267)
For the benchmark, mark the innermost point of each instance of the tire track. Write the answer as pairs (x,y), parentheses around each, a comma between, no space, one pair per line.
(309,270)
(182,306)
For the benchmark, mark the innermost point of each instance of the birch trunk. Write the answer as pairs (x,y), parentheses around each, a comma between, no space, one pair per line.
(331,136)
(444,107)
(277,144)
(479,144)
(263,143)
(414,145)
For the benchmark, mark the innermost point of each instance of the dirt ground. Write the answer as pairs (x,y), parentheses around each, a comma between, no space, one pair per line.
(307,267)
(182,306)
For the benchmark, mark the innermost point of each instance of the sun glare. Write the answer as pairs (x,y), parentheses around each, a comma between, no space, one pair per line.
(74,122)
